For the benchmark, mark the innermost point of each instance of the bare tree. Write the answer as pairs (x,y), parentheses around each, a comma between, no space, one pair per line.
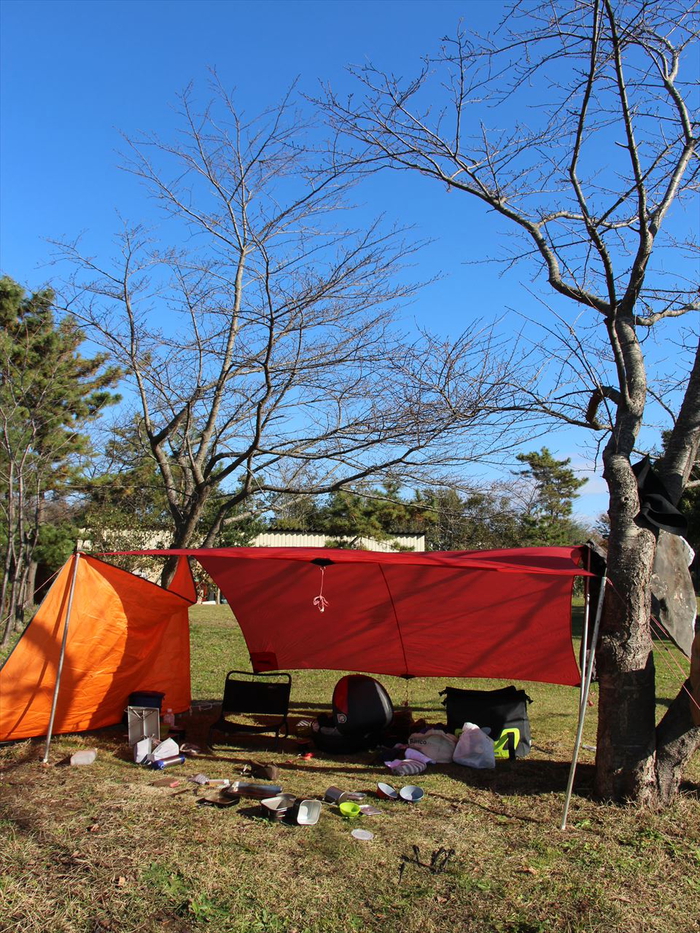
(263,355)
(576,125)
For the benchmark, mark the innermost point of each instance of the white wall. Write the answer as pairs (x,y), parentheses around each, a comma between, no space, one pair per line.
(303,539)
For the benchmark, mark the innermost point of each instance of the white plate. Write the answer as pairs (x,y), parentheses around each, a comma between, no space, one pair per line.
(363,834)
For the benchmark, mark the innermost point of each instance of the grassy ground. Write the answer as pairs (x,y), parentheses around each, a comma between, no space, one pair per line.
(106,847)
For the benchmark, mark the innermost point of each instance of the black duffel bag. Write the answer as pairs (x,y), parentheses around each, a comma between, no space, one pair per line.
(503,711)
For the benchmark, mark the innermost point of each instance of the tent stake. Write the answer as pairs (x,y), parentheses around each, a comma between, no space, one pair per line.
(586,687)
(62,655)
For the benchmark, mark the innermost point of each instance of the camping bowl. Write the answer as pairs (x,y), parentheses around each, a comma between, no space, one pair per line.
(275,808)
(308,812)
(411,793)
(386,791)
(349,810)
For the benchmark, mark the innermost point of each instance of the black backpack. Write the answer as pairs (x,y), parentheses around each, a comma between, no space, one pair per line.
(503,711)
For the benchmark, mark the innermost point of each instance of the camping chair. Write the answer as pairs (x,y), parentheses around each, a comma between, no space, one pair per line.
(257,695)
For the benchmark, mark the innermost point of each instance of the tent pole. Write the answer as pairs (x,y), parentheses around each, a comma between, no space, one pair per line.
(62,655)
(588,676)
(586,620)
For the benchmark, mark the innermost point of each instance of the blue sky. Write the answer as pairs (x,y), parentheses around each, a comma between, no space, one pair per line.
(76,74)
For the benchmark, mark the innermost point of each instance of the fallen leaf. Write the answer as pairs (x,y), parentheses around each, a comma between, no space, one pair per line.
(94,828)
(121,881)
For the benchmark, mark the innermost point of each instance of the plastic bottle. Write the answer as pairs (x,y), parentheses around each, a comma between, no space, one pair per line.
(161,763)
(169,718)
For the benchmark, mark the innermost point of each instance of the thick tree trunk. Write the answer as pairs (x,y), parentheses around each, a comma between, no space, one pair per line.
(185,528)
(635,760)
(626,743)
(626,738)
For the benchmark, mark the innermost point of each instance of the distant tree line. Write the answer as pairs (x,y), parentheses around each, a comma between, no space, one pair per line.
(534,509)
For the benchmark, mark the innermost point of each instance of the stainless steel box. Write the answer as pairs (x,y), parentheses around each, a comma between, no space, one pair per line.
(144,723)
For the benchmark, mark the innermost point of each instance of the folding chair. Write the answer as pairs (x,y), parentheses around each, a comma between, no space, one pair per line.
(261,696)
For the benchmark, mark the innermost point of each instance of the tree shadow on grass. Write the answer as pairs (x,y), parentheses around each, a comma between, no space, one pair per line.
(523,778)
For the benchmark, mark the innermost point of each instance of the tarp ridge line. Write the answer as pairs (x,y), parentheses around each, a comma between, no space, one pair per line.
(508,561)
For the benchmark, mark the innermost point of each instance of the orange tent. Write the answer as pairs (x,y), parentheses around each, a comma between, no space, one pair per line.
(125,634)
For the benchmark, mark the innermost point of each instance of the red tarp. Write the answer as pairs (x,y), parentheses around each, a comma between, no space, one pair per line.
(499,614)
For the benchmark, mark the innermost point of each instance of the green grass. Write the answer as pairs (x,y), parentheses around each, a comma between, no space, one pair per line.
(102,848)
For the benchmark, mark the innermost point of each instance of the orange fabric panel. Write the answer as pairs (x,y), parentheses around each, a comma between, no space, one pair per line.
(125,634)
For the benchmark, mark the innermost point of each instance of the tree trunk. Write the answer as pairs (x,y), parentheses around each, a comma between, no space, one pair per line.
(31,583)
(168,572)
(185,529)
(5,614)
(626,718)
(635,760)
(182,538)
(22,599)
(5,609)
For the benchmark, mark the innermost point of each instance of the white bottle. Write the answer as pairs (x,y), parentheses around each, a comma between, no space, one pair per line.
(169,718)
(84,757)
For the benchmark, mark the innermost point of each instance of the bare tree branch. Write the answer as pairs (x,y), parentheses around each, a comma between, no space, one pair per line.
(265,356)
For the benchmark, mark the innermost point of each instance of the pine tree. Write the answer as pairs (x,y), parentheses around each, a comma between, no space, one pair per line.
(553,487)
(48,395)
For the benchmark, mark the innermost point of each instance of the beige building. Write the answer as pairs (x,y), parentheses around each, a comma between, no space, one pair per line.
(412,542)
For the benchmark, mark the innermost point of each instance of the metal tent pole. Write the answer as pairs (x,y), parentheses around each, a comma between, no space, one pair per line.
(586,620)
(62,655)
(588,676)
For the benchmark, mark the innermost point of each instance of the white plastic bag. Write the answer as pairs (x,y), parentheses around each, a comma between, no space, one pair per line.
(166,749)
(475,749)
